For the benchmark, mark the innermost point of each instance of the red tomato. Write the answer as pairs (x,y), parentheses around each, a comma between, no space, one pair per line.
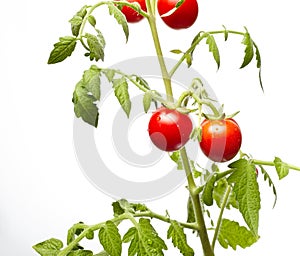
(169,130)
(185,15)
(131,15)
(221,139)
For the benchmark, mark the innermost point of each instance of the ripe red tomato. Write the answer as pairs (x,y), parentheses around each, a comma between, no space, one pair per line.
(131,15)
(221,139)
(185,15)
(169,130)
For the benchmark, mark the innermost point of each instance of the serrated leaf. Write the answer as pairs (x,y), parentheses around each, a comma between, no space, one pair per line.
(249,52)
(62,49)
(207,194)
(75,21)
(213,48)
(120,87)
(81,253)
(96,45)
(141,81)
(233,235)
(50,247)
(147,99)
(178,236)
(144,240)
(219,192)
(110,239)
(270,182)
(247,192)
(119,17)
(85,96)
(109,73)
(281,168)
(190,211)
(92,20)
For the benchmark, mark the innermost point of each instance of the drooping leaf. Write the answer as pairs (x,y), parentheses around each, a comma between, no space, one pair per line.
(249,52)
(119,17)
(281,168)
(247,192)
(233,235)
(225,33)
(175,157)
(92,20)
(109,73)
(179,240)
(110,239)
(144,240)
(77,19)
(271,184)
(62,49)
(213,48)
(141,81)
(120,87)
(85,96)
(96,45)
(207,194)
(258,64)
(147,99)
(50,247)
(176,51)
(219,192)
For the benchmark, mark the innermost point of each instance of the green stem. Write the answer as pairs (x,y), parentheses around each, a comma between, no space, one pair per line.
(207,249)
(269,163)
(223,206)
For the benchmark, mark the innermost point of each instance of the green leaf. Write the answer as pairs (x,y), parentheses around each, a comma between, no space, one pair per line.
(77,19)
(213,48)
(207,194)
(120,86)
(92,20)
(109,73)
(219,192)
(110,239)
(63,49)
(118,210)
(233,235)
(196,134)
(175,157)
(86,94)
(247,192)
(120,18)
(225,33)
(178,236)
(49,247)
(147,99)
(176,51)
(271,184)
(141,81)
(81,253)
(144,240)
(96,45)
(190,211)
(103,253)
(281,168)
(249,52)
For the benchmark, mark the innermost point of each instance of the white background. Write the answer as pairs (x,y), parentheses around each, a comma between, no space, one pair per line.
(42,189)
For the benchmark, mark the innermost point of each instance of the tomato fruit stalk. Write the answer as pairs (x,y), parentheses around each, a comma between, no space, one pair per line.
(169,130)
(221,139)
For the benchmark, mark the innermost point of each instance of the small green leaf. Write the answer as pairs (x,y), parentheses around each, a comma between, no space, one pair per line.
(77,19)
(176,51)
(120,86)
(120,18)
(96,45)
(85,96)
(147,99)
(190,211)
(178,236)
(63,49)
(175,157)
(281,168)
(233,235)
(141,81)
(110,239)
(249,52)
(49,247)
(271,184)
(118,210)
(225,33)
(92,20)
(213,48)
(188,59)
(219,192)
(247,192)
(109,73)
(207,195)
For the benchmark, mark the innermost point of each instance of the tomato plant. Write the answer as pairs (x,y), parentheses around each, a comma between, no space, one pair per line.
(169,130)
(221,139)
(178,17)
(131,15)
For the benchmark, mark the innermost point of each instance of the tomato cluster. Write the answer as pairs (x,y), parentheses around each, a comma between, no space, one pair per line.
(181,17)
(170,130)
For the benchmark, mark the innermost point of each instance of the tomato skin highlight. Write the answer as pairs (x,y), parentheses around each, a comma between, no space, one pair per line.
(169,130)
(221,139)
(131,15)
(185,15)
